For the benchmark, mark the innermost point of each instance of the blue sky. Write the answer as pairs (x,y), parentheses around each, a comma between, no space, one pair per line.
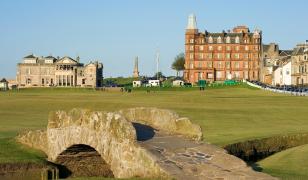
(115,31)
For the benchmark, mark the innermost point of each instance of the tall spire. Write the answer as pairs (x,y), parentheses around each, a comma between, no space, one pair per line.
(136,71)
(192,22)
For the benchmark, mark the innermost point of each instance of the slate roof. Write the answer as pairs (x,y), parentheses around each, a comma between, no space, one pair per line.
(3,80)
(285,52)
(30,56)
(266,47)
(224,35)
(299,51)
(50,57)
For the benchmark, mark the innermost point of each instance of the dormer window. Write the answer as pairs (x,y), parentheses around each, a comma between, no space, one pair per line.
(219,39)
(228,40)
(237,39)
(210,39)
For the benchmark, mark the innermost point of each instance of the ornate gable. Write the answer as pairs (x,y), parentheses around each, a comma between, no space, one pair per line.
(66,60)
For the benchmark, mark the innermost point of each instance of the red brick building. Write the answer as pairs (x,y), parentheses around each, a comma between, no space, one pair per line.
(221,56)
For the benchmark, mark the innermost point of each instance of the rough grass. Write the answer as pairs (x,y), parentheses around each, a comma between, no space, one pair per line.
(226,115)
(289,164)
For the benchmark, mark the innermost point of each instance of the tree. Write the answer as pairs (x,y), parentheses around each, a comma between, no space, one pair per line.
(178,63)
(159,75)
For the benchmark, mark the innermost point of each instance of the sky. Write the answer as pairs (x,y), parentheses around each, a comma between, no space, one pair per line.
(114,32)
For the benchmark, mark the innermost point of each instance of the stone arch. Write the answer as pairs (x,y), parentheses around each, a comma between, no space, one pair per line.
(81,160)
(110,134)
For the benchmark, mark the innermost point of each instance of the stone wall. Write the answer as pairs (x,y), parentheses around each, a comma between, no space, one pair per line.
(165,120)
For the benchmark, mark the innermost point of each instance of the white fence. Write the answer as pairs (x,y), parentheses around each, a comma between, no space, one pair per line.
(278,90)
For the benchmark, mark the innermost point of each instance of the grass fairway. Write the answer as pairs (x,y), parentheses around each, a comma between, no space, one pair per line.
(288,164)
(226,115)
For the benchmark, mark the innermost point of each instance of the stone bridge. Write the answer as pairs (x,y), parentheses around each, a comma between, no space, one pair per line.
(138,142)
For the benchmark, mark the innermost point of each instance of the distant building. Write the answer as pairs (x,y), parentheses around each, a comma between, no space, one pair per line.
(178,83)
(137,83)
(282,72)
(220,56)
(153,83)
(275,69)
(136,70)
(300,65)
(3,85)
(49,71)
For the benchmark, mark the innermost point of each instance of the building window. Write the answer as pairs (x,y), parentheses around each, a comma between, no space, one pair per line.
(201,56)
(228,64)
(228,56)
(210,48)
(202,41)
(191,66)
(237,48)
(191,48)
(209,64)
(43,82)
(218,74)
(219,65)
(191,56)
(246,55)
(245,64)
(237,39)
(236,75)
(200,64)
(246,48)
(83,81)
(210,39)
(209,75)
(219,48)
(28,71)
(200,75)
(236,55)
(201,48)
(219,40)
(218,55)
(28,81)
(228,40)
(236,65)
(191,41)
(228,48)
(245,75)
(209,55)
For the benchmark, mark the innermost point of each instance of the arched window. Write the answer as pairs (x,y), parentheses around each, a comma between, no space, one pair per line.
(228,40)
(210,39)
(219,39)
(237,39)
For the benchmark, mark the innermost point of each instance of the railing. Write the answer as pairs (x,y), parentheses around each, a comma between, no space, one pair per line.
(268,88)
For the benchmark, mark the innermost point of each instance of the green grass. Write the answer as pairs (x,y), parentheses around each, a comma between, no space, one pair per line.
(11,152)
(289,164)
(226,115)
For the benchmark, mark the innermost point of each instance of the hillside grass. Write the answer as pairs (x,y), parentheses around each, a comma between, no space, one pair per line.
(289,164)
(226,114)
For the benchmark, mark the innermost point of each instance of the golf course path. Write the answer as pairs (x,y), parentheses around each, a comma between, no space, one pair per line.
(186,159)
